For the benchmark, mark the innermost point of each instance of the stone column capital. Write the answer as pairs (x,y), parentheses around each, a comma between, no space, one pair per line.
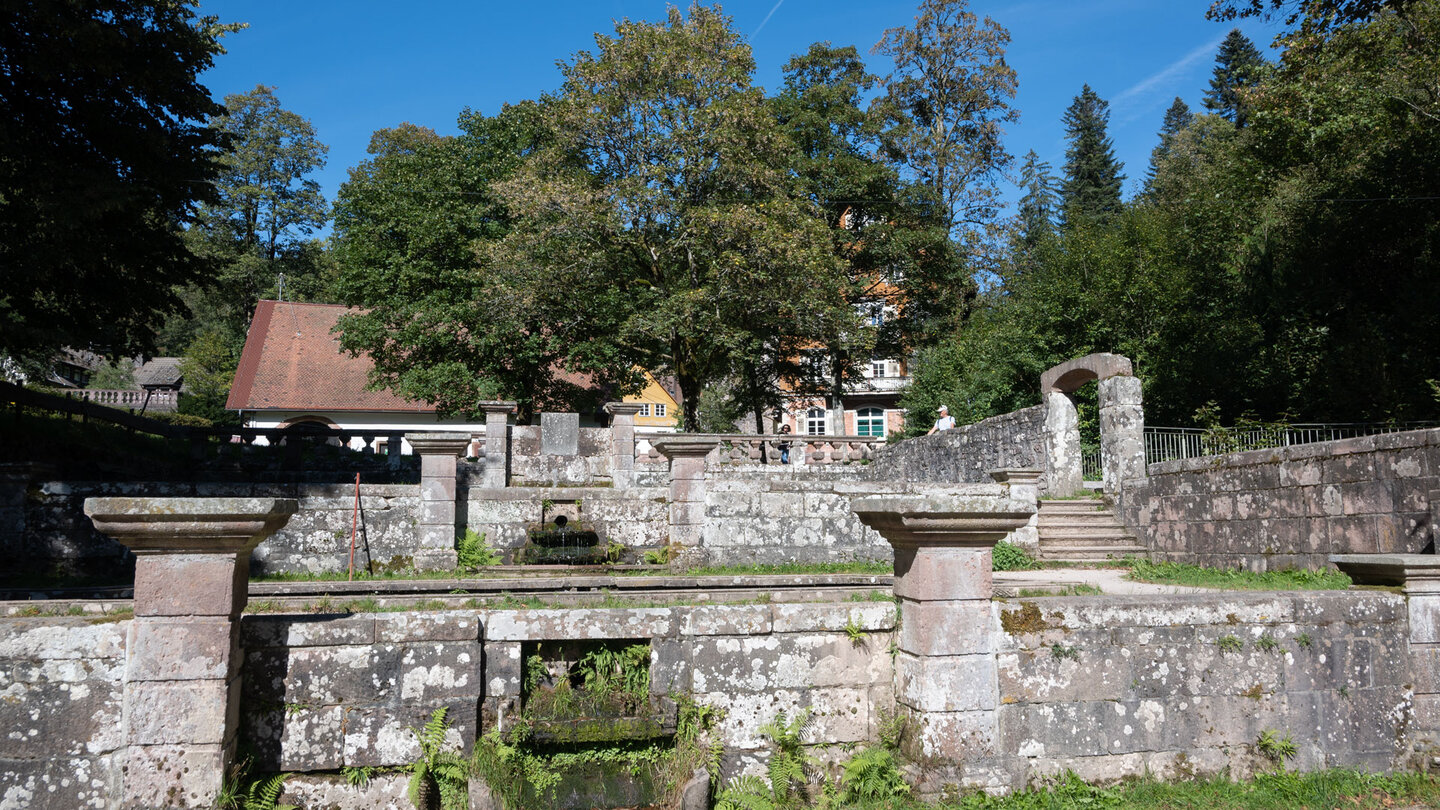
(438,444)
(686,445)
(190,525)
(496,406)
(622,408)
(1014,475)
(942,521)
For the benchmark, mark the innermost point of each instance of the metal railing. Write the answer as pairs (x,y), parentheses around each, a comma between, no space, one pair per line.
(1169,443)
(1090,469)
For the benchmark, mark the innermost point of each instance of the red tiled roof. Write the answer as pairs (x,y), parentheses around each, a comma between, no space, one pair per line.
(292,362)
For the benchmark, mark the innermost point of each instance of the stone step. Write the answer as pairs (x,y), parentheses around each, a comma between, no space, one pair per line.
(1102,533)
(1093,555)
(1061,521)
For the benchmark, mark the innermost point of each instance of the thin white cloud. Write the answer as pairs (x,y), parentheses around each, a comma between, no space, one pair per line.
(1140,97)
(761,27)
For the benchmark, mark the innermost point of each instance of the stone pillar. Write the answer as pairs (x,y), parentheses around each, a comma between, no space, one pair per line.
(1062,446)
(1419,575)
(687,491)
(1122,433)
(622,442)
(1024,488)
(435,544)
(182,661)
(945,670)
(497,443)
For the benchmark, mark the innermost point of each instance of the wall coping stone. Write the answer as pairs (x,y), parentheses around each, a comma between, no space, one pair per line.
(622,408)
(1417,572)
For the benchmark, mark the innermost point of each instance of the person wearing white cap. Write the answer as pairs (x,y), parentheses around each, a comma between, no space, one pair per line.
(945,422)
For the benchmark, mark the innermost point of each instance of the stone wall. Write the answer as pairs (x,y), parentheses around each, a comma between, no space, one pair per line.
(968,453)
(61,706)
(768,518)
(588,466)
(1114,687)
(637,517)
(1290,506)
(323,693)
(1105,686)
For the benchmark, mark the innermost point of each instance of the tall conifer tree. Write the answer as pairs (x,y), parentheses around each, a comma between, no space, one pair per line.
(1238,65)
(1177,118)
(1092,174)
(1041,202)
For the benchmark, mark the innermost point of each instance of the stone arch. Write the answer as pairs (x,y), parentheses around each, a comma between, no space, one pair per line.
(1122,422)
(313,424)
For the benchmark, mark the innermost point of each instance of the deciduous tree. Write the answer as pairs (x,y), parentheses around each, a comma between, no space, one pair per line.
(105,152)
(664,199)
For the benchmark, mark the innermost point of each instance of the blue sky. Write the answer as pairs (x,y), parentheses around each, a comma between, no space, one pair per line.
(357,66)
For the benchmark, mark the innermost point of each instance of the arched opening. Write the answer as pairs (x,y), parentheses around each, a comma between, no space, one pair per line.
(870,422)
(1092,436)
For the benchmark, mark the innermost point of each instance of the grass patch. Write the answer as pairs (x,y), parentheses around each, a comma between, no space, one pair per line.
(1290,579)
(1079,589)
(1271,791)
(856,567)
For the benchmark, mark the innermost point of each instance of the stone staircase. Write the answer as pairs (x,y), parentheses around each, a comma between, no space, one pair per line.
(1083,530)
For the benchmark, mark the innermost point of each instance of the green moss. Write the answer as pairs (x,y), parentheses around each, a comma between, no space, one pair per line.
(1028,619)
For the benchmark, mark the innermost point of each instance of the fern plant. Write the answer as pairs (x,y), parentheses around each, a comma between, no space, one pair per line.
(472,551)
(240,792)
(747,792)
(872,775)
(790,763)
(440,778)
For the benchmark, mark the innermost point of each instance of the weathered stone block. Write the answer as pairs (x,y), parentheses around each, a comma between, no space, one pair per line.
(198,648)
(440,626)
(306,631)
(177,713)
(942,574)
(946,628)
(190,585)
(959,683)
(172,776)
(726,620)
(528,625)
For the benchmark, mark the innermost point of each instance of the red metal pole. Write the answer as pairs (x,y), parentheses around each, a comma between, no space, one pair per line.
(354,524)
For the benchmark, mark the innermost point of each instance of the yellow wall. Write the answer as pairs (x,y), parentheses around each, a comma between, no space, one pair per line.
(655,395)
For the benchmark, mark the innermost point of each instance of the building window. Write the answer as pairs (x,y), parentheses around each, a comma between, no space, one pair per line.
(815,422)
(877,368)
(644,409)
(870,422)
(659,409)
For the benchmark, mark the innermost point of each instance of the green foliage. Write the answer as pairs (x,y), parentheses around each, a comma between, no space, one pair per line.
(1062,652)
(1266,643)
(472,551)
(358,775)
(790,764)
(1091,189)
(1304,640)
(241,791)
(117,375)
(855,631)
(872,775)
(1230,643)
(1275,747)
(1238,67)
(1289,579)
(440,778)
(106,153)
(1007,556)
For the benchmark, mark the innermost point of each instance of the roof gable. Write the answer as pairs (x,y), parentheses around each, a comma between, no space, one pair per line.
(292,362)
